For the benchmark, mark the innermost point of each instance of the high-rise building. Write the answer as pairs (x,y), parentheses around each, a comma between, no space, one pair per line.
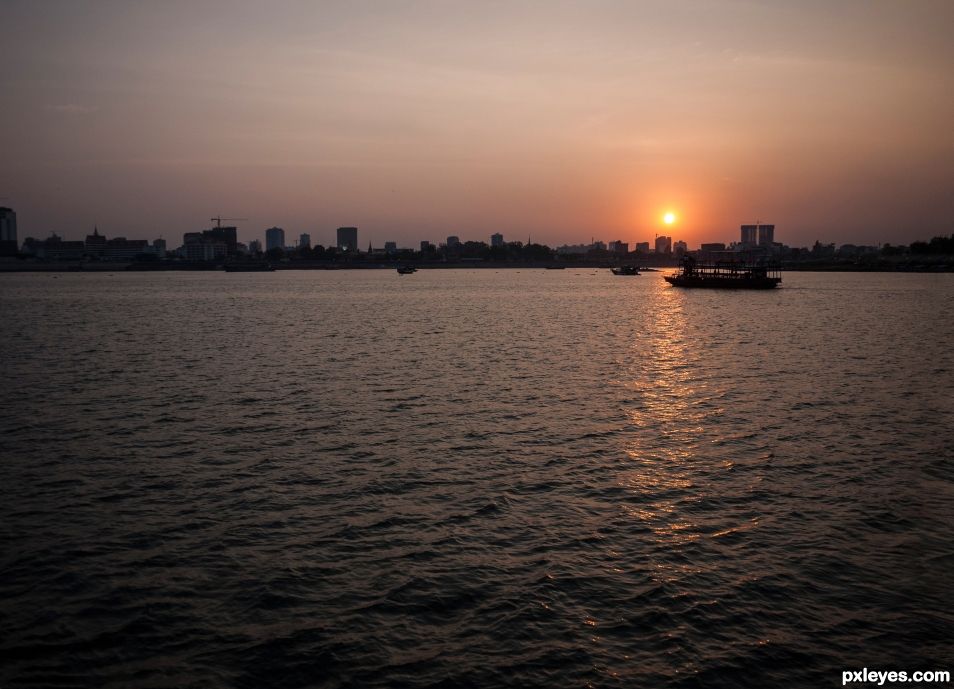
(274,238)
(766,235)
(347,239)
(496,239)
(8,225)
(159,246)
(390,247)
(304,241)
(453,242)
(749,234)
(642,247)
(663,245)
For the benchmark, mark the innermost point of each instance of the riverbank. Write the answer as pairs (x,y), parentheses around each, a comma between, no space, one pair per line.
(934,264)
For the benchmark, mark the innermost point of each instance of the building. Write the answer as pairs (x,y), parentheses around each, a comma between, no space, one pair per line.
(225,235)
(663,245)
(255,246)
(159,246)
(453,242)
(120,248)
(619,247)
(766,235)
(713,246)
(748,237)
(8,232)
(642,247)
(572,249)
(204,246)
(95,244)
(274,238)
(390,247)
(54,248)
(304,241)
(680,248)
(203,251)
(426,246)
(496,239)
(347,239)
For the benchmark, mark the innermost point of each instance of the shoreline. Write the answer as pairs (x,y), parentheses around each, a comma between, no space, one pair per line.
(18,266)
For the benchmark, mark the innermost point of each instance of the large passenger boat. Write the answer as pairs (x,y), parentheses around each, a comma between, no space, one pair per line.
(725,275)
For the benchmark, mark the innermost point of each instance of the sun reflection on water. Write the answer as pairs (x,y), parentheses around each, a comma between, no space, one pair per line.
(673,473)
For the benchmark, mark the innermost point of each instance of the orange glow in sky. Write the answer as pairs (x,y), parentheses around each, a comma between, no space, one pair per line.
(417,120)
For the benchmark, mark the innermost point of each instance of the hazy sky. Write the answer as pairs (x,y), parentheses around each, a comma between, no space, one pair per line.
(834,119)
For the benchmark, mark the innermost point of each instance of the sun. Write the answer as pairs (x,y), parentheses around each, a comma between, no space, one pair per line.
(669,218)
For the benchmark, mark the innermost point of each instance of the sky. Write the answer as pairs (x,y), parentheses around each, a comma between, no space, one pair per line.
(555,121)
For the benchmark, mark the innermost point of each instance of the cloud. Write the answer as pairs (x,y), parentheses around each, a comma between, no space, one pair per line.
(73,109)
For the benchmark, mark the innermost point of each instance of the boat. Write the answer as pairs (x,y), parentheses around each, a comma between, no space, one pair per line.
(625,270)
(249,267)
(406,270)
(725,275)
(555,267)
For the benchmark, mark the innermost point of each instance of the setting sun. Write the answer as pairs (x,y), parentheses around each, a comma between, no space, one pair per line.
(669,218)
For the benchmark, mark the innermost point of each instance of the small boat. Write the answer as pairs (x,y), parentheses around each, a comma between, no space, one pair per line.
(406,270)
(625,270)
(725,275)
(556,267)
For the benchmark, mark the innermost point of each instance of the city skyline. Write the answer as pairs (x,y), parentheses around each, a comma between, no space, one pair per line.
(557,121)
(743,235)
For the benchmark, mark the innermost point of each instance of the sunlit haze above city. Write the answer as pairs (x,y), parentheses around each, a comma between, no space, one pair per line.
(556,121)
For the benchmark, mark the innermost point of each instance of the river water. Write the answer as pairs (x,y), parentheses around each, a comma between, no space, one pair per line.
(473,478)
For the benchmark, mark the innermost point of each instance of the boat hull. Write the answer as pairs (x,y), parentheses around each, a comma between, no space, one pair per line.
(722,283)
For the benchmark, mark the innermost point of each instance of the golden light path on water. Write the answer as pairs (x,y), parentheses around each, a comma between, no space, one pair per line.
(681,403)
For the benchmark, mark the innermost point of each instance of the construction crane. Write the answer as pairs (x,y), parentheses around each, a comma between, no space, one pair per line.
(218,221)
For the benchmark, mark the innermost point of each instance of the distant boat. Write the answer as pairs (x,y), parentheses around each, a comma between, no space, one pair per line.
(406,270)
(725,275)
(249,267)
(625,270)
(556,267)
